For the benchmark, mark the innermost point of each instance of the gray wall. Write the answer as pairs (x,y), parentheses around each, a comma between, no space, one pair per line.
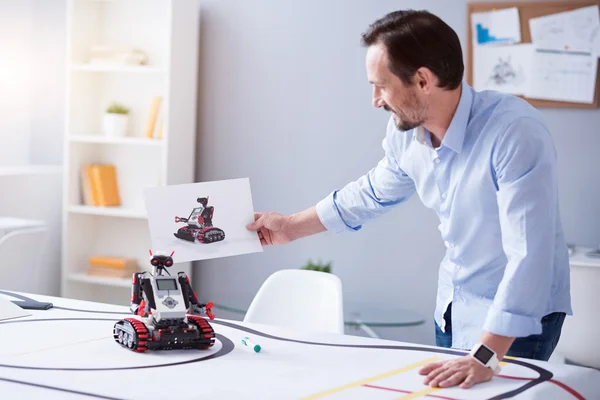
(285,101)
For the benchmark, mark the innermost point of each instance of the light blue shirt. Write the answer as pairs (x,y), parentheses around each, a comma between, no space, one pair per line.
(493,184)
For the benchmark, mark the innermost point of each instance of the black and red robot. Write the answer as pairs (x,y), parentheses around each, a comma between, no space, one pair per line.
(199,225)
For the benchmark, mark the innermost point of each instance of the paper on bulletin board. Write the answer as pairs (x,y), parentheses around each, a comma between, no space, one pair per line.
(577,30)
(563,75)
(496,27)
(506,69)
(202,220)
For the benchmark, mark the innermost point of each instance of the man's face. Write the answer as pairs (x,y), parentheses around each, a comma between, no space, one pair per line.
(408,107)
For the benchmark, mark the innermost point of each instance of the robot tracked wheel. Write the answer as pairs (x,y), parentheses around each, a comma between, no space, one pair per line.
(167,315)
(199,225)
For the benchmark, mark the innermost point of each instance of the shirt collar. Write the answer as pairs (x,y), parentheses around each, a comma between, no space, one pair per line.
(455,135)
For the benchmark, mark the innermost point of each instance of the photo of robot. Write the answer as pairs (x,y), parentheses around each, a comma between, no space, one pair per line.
(167,313)
(202,220)
(199,225)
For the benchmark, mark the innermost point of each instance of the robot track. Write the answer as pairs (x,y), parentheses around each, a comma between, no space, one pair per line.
(131,334)
(205,330)
(211,235)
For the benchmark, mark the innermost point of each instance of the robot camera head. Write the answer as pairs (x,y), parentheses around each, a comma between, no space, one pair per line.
(160,259)
(203,201)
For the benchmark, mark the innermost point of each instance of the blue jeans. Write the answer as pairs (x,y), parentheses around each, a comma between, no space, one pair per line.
(536,347)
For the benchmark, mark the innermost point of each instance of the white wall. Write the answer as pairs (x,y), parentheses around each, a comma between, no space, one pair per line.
(48,80)
(16,89)
(32,78)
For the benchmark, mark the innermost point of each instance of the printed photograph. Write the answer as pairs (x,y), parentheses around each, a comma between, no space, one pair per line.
(202,220)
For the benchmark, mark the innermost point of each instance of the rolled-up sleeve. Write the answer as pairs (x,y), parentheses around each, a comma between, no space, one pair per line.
(371,195)
(524,164)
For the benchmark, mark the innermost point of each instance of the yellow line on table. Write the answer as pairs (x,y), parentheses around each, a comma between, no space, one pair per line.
(371,379)
(503,363)
(423,392)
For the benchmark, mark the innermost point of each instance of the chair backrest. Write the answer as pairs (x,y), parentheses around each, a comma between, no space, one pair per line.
(301,300)
(21,253)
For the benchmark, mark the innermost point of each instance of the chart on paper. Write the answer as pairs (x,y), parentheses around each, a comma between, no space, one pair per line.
(496,27)
(564,75)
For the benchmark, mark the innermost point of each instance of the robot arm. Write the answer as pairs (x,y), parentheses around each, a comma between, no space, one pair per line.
(136,293)
(191,299)
(207,215)
(180,219)
(139,287)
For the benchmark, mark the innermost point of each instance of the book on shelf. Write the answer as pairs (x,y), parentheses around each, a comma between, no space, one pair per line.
(99,185)
(153,117)
(112,267)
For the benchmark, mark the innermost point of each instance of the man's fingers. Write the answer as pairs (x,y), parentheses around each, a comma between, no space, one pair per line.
(257,224)
(453,380)
(433,374)
(265,237)
(468,382)
(441,376)
(430,367)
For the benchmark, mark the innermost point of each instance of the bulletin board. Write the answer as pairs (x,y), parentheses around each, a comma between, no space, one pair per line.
(528,10)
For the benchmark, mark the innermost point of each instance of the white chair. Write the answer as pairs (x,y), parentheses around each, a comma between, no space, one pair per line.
(21,251)
(301,300)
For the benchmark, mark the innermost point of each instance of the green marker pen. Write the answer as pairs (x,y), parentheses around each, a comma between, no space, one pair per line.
(246,341)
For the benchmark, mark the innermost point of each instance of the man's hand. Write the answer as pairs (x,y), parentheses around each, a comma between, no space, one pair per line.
(272,228)
(464,371)
(275,228)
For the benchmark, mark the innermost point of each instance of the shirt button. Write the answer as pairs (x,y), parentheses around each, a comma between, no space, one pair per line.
(457,287)
(437,160)
(457,267)
(444,195)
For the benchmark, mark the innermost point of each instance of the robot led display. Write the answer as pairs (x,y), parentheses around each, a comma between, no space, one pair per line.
(167,313)
(199,225)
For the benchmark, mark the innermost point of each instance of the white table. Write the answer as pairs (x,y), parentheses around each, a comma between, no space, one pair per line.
(68,352)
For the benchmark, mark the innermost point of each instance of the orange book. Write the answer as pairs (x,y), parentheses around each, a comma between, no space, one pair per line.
(110,272)
(89,189)
(104,179)
(152,117)
(113,262)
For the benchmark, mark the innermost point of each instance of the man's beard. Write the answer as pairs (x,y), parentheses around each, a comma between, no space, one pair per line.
(406,123)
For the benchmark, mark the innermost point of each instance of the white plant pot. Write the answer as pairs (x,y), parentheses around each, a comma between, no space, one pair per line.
(115,124)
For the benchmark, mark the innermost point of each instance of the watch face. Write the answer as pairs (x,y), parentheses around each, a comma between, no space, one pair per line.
(483,354)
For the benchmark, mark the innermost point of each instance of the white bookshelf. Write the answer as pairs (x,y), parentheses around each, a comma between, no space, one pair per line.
(168,33)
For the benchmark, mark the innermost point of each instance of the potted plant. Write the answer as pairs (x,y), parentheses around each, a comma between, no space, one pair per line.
(318,266)
(116,119)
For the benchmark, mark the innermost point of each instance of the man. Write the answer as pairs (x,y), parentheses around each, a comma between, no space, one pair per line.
(485,162)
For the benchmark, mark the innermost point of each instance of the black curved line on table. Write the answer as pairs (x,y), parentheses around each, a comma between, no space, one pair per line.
(97,396)
(126,312)
(544,375)
(227,347)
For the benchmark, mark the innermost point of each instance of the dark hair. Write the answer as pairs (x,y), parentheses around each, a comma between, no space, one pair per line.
(415,39)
